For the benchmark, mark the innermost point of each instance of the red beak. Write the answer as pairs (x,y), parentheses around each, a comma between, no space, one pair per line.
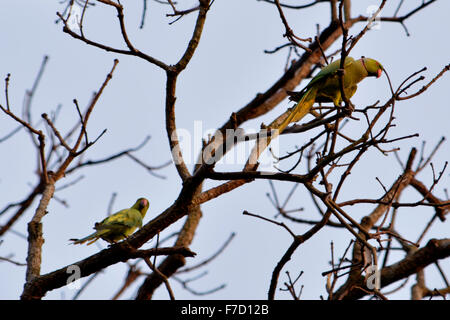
(144,203)
(379,73)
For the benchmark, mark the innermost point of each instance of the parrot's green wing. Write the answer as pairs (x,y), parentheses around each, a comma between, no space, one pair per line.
(124,218)
(329,70)
(118,225)
(324,87)
(309,93)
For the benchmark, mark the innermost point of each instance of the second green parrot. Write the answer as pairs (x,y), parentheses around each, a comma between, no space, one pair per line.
(325,87)
(119,225)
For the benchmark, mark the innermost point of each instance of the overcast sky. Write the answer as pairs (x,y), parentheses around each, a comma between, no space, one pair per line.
(228,70)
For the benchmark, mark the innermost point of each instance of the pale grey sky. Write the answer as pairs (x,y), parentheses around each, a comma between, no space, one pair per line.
(228,70)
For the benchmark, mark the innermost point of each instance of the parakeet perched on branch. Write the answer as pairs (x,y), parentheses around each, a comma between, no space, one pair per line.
(325,87)
(118,225)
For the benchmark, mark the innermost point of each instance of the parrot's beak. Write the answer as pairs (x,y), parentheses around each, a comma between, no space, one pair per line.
(143,203)
(379,72)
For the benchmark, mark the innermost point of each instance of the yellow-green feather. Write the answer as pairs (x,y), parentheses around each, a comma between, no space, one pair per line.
(301,109)
(118,225)
(325,86)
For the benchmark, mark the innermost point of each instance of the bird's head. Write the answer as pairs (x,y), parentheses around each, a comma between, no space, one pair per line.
(372,66)
(142,205)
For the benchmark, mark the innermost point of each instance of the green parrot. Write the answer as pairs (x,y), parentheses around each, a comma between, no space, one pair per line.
(324,87)
(118,225)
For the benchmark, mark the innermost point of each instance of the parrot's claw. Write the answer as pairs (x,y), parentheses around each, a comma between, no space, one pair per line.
(348,109)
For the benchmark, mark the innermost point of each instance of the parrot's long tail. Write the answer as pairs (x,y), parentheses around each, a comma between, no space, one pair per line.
(94,237)
(300,110)
(277,126)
